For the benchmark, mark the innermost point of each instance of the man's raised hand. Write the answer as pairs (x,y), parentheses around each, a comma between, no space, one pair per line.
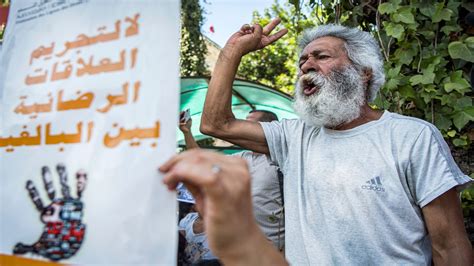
(253,37)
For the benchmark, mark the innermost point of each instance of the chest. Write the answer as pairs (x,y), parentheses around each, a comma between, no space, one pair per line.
(363,170)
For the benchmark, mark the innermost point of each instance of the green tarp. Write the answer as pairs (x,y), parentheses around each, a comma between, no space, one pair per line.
(246,96)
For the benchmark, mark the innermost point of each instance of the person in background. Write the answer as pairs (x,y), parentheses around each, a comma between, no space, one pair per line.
(196,249)
(266,185)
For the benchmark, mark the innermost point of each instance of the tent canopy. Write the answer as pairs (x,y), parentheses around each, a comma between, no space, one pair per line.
(246,96)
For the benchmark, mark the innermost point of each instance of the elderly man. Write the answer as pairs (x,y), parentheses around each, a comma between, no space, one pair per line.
(362,186)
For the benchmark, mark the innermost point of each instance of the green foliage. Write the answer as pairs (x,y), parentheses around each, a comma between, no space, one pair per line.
(193,47)
(425,42)
(462,49)
(468,200)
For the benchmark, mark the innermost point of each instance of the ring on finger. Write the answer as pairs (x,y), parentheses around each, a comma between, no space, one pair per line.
(216,169)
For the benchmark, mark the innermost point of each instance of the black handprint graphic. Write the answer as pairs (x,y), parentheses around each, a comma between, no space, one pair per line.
(64,231)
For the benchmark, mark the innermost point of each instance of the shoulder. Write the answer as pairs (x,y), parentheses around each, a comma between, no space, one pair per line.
(402,124)
(415,133)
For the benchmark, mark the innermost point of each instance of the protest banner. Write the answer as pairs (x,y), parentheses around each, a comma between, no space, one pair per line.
(89,95)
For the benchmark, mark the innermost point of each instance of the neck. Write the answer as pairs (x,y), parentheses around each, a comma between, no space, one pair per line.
(367,114)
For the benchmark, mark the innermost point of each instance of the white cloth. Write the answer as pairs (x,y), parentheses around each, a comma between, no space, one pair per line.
(197,247)
(354,197)
(266,196)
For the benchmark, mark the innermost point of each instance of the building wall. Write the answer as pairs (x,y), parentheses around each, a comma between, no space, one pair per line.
(213,50)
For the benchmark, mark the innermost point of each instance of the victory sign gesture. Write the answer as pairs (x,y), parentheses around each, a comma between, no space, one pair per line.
(253,37)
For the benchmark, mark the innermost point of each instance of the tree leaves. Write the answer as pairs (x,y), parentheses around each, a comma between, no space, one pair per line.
(426,78)
(193,48)
(404,15)
(389,7)
(441,13)
(461,118)
(462,50)
(393,29)
(456,82)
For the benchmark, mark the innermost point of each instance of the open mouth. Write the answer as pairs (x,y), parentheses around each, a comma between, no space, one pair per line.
(309,90)
(309,87)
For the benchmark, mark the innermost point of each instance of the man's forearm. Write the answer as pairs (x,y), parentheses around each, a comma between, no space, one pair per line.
(217,108)
(460,254)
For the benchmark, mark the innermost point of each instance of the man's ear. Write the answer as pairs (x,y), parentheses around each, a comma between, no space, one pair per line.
(366,76)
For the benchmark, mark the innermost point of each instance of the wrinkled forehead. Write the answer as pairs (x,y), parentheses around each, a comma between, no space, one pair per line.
(325,44)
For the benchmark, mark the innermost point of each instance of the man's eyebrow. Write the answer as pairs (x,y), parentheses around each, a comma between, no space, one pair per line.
(313,52)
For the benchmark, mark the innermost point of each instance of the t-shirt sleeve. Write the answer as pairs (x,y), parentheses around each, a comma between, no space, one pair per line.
(276,141)
(432,169)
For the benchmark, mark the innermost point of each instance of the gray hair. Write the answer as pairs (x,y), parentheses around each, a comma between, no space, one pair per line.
(361,48)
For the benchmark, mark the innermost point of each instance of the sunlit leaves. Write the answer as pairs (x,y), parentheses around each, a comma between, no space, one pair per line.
(441,13)
(404,15)
(389,7)
(193,48)
(393,29)
(461,118)
(462,50)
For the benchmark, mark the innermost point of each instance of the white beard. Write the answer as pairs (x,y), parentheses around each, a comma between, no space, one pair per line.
(338,101)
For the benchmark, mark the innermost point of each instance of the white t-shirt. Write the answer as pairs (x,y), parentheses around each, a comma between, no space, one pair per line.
(354,197)
(197,247)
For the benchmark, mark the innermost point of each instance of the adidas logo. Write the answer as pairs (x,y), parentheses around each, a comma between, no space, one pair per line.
(374,184)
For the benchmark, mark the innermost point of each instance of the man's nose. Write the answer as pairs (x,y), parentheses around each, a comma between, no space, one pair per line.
(311,64)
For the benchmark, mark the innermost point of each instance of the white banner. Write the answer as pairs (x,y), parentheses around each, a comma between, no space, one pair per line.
(89,97)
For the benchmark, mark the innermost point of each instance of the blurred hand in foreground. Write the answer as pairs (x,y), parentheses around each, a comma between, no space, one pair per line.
(221,187)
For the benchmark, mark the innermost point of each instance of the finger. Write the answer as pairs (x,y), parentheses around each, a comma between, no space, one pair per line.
(270,26)
(199,175)
(61,169)
(21,248)
(276,36)
(173,160)
(257,30)
(48,182)
(188,173)
(81,182)
(33,192)
(245,28)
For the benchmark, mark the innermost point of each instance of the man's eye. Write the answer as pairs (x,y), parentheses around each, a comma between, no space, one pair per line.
(323,56)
